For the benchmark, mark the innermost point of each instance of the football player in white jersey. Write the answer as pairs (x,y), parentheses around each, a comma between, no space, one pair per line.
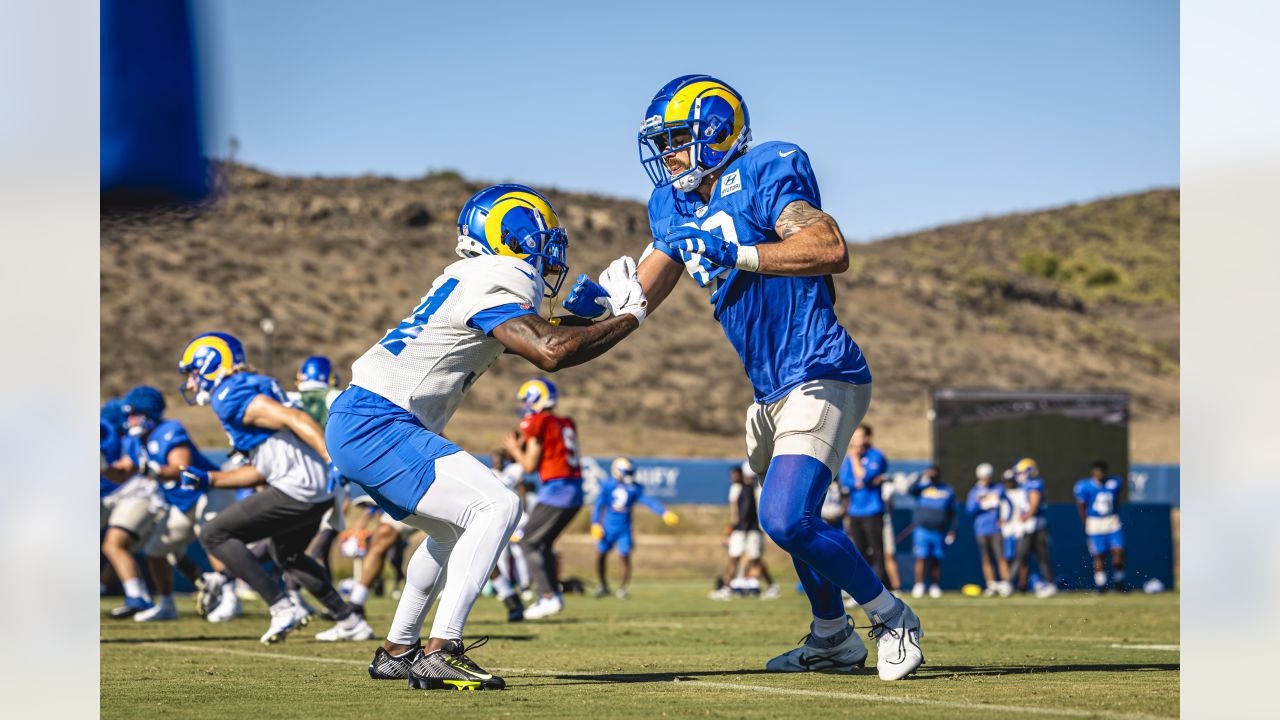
(384,431)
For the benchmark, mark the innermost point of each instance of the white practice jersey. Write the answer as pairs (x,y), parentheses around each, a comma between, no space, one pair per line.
(427,364)
(512,476)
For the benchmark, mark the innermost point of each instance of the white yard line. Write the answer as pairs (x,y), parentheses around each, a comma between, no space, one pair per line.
(1170,648)
(695,684)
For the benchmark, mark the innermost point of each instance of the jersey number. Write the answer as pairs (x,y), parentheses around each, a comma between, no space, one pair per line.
(1102,503)
(721,221)
(570,439)
(411,327)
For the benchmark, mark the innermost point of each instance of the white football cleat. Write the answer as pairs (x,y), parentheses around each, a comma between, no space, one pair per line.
(773,592)
(1047,590)
(841,653)
(917,590)
(227,608)
(723,593)
(163,610)
(935,592)
(1005,588)
(353,628)
(296,597)
(897,639)
(545,607)
(284,619)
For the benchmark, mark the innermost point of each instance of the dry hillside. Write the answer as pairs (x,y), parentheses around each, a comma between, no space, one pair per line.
(1084,296)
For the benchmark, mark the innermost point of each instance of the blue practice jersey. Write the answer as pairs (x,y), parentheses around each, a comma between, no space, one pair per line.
(1037,484)
(233,395)
(616,501)
(784,328)
(1101,502)
(864,501)
(935,506)
(984,505)
(163,439)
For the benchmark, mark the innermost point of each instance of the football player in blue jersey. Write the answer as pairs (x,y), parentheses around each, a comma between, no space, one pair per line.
(983,504)
(1035,528)
(862,473)
(611,520)
(160,448)
(935,528)
(746,223)
(1098,500)
(286,454)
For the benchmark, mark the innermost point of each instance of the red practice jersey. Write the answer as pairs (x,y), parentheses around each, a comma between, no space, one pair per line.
(559,438)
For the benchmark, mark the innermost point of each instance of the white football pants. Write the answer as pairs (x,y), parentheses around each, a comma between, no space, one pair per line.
(468,516)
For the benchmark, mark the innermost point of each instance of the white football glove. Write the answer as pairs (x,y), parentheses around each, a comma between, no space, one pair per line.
(625,294)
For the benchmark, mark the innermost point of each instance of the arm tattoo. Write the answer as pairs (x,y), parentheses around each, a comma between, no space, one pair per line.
(552,348)
(798,215)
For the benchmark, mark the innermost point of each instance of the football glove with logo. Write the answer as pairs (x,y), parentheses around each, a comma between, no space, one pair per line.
(587,299)
(716,250)
(625,296)
(194,478)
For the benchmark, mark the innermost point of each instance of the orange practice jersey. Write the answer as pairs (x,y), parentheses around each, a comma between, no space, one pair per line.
(559,440)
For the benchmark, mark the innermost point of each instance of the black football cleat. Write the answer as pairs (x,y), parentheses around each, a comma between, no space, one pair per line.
(449,668)
(386,666)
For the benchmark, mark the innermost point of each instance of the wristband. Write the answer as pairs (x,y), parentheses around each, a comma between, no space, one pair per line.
(748,258)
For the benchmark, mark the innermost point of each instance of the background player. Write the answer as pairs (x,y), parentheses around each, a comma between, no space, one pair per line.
(1098,500)
(1035,530)
(983,504)
(160,448)
(286,452)
(747,225)
(548,445)
(862,473)
(611,520)
(935,529)
(385,430)
(511,574)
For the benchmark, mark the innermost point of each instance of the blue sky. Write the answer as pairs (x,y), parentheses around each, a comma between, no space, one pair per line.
(915,114)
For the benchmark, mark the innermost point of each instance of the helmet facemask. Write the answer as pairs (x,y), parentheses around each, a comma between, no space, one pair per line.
(710,125)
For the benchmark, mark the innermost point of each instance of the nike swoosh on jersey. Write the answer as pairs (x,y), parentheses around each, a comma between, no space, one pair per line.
(785,154)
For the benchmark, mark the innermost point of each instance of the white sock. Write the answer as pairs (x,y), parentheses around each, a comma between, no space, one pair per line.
(1117,575)
(827,628)
(229,592)
(1100,578)
(349,621)
(884,606)
(135,588)
(423,579)
(359,594)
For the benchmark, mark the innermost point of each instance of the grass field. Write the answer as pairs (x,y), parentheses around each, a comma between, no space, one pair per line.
(669,652)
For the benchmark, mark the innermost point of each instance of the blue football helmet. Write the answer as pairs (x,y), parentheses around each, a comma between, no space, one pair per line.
(317,373)
(206,360)
(696,113)
(113,414)
(535,395)
(516,221)
(144,406)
